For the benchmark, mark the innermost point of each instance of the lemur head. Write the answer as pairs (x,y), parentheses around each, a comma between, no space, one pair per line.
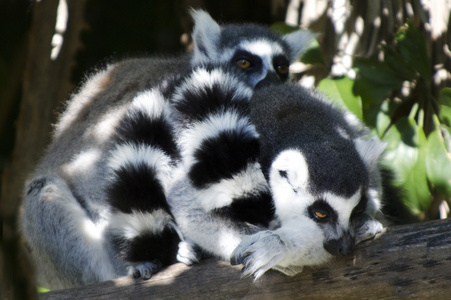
(317,163)
(263,55)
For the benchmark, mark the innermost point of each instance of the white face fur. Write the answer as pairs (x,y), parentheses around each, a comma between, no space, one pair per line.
(289,180)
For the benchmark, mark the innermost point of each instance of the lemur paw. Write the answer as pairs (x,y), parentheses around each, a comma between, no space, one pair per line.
(258,253)
(146,270)
(188,254)
(367,230)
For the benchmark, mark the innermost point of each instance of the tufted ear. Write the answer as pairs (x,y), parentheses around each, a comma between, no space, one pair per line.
(205,35)
(290,167)
(298,42)
(289,183)
(370,150)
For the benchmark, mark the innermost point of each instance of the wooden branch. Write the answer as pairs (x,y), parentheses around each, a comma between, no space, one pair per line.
(404,261)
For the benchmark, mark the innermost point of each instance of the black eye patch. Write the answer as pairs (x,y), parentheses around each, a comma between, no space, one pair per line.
(281,65)
(322,212)
(242,55)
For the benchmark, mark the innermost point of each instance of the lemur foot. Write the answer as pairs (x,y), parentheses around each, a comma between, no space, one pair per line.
(188,254)
(146,270)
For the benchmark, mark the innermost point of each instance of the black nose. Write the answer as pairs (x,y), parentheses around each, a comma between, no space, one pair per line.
(342,246)
(270,78)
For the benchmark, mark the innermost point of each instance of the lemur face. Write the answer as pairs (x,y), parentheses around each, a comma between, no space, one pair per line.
(263,55)
(264,62)
(331,214)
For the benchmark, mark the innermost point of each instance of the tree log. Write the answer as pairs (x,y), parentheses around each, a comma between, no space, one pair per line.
(408,261)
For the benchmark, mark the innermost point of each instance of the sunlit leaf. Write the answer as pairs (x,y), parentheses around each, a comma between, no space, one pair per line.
(340,91)
(406,155)
(43,290)
(379,115)
(438,160)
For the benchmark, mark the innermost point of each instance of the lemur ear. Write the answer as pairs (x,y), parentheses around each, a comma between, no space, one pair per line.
(370,150)
(291,166)
(205,35)
(298,41)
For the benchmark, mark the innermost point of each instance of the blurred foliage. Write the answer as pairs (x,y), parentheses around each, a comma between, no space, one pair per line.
(393,96)
(43,290)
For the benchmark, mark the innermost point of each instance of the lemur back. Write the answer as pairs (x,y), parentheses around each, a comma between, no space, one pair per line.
(96,206)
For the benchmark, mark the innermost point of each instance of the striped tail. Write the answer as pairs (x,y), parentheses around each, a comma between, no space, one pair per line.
(219,147)
(142,227)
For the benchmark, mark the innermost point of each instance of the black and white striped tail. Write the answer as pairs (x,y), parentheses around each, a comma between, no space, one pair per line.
(219,146)
(141,164)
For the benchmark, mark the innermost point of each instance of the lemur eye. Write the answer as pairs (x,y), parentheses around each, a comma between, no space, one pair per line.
(243,63)
(320,215)
(282,69)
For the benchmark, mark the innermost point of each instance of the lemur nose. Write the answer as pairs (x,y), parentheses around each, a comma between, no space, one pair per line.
(342,246)
(270,78)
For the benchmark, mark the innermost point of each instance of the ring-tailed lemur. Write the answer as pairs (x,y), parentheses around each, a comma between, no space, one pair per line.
(324,177)
(95,207)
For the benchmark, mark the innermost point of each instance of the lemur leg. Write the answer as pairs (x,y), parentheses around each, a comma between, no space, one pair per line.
(66,244)
(188,253)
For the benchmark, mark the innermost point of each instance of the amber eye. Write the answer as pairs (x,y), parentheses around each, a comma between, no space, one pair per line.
(320,215)
(282,69)
(243,63)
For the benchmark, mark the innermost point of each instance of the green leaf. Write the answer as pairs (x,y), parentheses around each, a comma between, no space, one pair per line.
(340,91)
(375,79)
(406,155)
(445,97)
(438,160)
(43,290)
(445,106)
(283,28)
(412,48)
(313,54)
(379,116)
(397,63)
